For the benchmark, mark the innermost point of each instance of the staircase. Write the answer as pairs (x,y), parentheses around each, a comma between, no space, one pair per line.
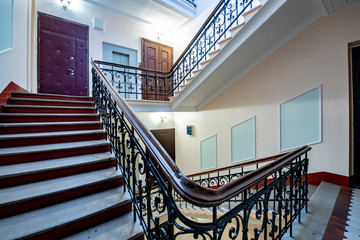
(244,18)
(57,175)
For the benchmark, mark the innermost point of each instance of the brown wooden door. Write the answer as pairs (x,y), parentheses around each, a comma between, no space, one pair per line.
(62,56)
(159,57)
(167,139)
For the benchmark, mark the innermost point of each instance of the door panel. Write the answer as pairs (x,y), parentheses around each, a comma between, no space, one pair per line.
(62,56)
(159,57)
(356,112)
(81,68)
(57,79)
(167,138)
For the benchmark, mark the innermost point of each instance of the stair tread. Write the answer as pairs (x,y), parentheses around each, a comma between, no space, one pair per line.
(50,95)
(48,100)
(31,167)
(46,114)
(18,193)
(50,217)
(46,147)
(44,107)
(49,134)
(36,124)
(119,228)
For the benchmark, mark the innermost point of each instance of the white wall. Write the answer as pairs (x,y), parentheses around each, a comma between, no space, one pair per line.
(318,55)
(13,63)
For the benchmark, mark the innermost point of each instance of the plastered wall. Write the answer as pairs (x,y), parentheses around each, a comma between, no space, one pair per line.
(317,56)
(13,63)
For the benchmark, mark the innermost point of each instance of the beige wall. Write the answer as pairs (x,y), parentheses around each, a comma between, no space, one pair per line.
(157,120)
(317,56)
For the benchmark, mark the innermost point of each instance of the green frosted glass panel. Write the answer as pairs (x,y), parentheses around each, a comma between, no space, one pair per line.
(208,153)
(243,141)
(300,120)
(6,16)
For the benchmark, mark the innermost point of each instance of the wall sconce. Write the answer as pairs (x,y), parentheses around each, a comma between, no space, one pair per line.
(65,4)
(159,35)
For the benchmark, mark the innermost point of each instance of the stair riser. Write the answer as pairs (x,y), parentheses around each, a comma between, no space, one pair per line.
(49,128)
(49,140)
(54,173)
(84,223)
(39,156)
(40,103)
(48,110)
(29,119)
(35,96)
(66,195)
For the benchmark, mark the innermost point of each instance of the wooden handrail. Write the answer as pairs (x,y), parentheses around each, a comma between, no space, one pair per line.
(239,165)
(188,189)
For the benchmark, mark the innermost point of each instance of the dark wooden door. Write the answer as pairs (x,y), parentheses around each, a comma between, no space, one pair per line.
(62,56)
(167,139)
(159,57)
(356,112)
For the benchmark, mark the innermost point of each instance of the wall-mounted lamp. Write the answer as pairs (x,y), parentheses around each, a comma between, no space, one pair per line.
(159,35)
(65,4)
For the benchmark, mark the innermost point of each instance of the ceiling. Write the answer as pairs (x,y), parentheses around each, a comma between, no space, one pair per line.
(142,11)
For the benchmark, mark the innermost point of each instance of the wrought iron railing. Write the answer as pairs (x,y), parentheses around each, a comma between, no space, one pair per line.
(191,2)
(273,194)
(140,83)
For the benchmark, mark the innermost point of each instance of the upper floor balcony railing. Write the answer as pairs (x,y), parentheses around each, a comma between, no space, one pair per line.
(140,83)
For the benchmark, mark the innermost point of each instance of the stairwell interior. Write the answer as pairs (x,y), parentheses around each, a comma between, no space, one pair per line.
(58,176)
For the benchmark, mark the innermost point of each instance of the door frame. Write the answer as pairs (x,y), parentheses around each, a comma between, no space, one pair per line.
(351,113)
(38,47)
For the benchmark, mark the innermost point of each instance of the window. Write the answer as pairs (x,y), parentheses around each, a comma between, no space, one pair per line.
(121,58)
(208,153)
(243,141)
(300,120)
(6,20)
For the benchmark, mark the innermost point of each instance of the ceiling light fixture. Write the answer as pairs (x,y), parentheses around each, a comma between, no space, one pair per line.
(65,4)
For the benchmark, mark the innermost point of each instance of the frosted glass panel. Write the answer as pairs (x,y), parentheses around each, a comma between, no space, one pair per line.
(6,15)
(243,141)
(121,58)
(300,120)
(208,153)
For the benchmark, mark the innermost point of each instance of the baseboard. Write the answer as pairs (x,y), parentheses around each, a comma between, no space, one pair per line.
(318,177)
(6,93)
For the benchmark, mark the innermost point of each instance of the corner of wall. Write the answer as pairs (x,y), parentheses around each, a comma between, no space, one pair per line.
(6,93)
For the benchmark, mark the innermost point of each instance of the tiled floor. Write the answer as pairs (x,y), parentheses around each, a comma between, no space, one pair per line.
(352,231)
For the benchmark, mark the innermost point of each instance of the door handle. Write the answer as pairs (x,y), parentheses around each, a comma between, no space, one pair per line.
(71,70)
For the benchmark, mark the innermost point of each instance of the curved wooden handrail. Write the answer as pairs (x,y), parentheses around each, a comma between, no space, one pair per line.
(188,189)
(239,165)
